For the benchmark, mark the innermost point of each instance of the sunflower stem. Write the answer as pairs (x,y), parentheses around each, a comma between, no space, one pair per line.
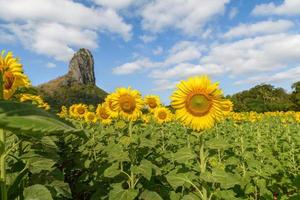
(130,129)
(3,167)
(202,155)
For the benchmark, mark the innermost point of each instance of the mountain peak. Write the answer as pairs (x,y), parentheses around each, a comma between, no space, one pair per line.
(81,67)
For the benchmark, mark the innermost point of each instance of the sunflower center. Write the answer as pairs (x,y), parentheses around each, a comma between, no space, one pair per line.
(198,104)
(9,80)
(104,115)
(91,117)
(81,110)
(127,103)
(152,103)
(162,115)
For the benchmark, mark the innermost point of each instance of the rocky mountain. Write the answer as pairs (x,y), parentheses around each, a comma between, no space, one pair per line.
(77,86)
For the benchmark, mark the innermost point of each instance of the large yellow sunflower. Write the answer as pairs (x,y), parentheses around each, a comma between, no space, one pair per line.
(128,103)
(80,110)
(12,75)
(198,102)
(152,101)
(108,100)
(103,114)
(162,115)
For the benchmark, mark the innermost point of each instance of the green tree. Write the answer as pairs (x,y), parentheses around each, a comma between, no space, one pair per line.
(295,96)
(262,98)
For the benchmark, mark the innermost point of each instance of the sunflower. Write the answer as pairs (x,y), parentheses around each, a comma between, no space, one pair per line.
(227,107)
(72,110)
(35,100)
(103,114)
(63,112)
(128,103)
(80,110)
(152,101)
(12,75)
(90,117)
(162,115)
(198,103)
(108,100)
(146,118)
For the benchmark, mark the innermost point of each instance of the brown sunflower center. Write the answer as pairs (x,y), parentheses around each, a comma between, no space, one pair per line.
(152,103)
(80,110)
(91,117)
(162,115)
(198,104)
(9,80)
(104,115)
(127,103)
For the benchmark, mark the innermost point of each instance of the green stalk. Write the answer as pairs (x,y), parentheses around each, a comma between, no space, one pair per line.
(3,168)
(202,155)
(130,129)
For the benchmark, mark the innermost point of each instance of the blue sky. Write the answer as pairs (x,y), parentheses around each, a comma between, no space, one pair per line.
(150,45)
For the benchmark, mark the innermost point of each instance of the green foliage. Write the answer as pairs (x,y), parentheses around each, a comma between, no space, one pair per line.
(248,161)
(29,152)
(76,93)
(295,96)
(23,118)
(262,98)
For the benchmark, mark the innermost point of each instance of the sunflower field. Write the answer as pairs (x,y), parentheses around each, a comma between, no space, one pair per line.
(134,148)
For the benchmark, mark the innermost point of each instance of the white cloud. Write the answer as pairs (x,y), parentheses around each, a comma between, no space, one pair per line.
(184,51)
(116,4)
(147,38)
(184,70)
(288,7)
(51,65)
(158,51)
(292,74)
(235,59)
(259,28)
(6,38)
(131,67)
(56,27)
(255,55)
(233,12)
(53,39)
(187,15)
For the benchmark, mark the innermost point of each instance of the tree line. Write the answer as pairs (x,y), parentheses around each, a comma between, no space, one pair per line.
(266,97)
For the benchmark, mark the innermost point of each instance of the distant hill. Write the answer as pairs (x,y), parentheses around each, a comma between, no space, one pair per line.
(77,86)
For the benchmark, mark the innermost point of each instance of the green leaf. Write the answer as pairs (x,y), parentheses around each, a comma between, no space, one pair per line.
(62,188)
(37,192)
(183,155)
(14,189)
(179,179)
(38,164)
(217,143)
(226,179)
(112,171)
(118,193)
(145,169)
(174,195)
(150,195)
(24,118)
(191,197)
(225,194)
